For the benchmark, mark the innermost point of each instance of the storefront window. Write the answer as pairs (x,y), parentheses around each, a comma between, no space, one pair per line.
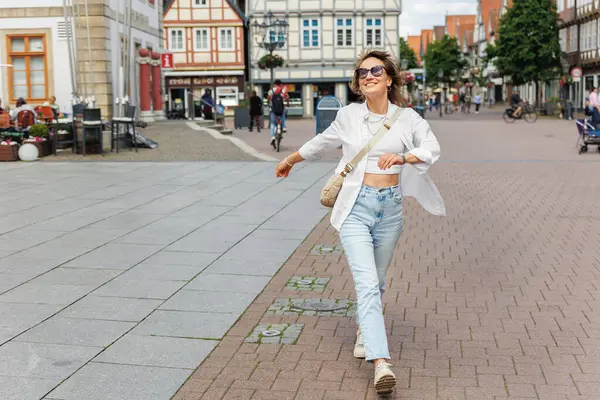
(228,95)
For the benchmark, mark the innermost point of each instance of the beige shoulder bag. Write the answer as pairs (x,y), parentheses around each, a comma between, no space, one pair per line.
(333,186)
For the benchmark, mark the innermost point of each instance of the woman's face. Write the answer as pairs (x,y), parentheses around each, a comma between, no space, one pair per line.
(370,84)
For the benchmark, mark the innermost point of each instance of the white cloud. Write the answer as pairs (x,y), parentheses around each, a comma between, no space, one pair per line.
(424,14)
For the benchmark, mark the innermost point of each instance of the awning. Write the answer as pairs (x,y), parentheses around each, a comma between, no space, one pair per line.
(204,73)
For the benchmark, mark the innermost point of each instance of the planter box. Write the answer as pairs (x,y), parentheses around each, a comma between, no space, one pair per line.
(9,153)
(44,148)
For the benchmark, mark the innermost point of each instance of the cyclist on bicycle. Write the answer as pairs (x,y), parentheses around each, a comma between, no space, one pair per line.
(515,103)
(277,99)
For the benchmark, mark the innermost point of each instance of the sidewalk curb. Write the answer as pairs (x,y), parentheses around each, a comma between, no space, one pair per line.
(246,148)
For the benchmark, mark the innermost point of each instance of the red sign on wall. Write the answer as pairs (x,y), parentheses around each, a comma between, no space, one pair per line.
(166,60)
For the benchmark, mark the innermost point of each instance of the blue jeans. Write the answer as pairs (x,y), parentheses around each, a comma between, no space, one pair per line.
(272,123)
(369,236)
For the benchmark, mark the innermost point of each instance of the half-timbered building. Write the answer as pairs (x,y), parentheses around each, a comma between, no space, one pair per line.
(206,38)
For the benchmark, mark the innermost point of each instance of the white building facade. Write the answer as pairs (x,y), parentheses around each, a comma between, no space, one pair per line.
(37,47)
(325,37)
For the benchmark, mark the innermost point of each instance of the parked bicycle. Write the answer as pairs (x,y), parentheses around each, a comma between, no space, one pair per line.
(524,111)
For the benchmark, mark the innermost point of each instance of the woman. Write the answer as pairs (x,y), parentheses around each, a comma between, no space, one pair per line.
(368,210)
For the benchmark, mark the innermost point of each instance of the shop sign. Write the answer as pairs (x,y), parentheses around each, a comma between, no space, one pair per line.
(179,81)
(166,60)
(227,80)
(203,81)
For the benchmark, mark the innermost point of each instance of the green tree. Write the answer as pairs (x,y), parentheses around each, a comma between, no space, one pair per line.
(406,53)
(444,55)
(528,46)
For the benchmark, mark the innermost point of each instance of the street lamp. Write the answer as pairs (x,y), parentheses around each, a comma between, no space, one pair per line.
(271,35)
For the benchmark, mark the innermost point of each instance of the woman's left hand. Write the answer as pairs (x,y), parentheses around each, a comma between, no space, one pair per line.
(387,160)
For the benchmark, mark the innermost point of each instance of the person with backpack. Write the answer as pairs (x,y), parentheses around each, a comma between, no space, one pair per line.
(277,99)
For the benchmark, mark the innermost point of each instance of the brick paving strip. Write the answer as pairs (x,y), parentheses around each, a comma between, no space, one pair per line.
(499,300)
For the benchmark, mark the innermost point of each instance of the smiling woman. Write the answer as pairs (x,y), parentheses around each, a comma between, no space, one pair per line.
(387,150)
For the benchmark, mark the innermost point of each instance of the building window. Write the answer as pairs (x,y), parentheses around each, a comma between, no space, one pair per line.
(570,4)
(226,39)
(573,39)
(344,32)
(228,95)
(27,54)
(310,33)
(201,40)
(200,3)
(176,40)
(563,39)
(374,32)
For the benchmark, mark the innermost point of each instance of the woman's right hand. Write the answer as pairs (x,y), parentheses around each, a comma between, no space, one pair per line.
(283,169)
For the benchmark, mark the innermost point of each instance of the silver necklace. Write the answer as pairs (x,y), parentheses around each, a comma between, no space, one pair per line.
(369,122)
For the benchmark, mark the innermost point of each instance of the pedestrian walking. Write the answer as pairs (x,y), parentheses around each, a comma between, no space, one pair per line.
(256,110)
(477,101)
(398,147)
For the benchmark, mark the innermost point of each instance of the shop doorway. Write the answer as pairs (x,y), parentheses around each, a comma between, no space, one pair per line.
(353,97)
(178,104)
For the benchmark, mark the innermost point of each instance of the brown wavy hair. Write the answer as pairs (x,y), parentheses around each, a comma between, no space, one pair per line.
(391,69)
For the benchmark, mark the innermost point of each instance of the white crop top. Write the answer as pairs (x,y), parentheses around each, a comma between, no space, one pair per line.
(386,145)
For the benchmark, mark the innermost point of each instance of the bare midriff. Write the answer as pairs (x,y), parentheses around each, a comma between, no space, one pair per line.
(381,180)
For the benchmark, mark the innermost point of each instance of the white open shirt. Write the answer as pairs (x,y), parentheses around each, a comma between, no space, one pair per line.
(347,131)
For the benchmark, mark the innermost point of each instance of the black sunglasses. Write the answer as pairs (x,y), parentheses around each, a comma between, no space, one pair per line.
(376,71)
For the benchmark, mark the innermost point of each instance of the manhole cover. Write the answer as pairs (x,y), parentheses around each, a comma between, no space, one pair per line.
(271,333)
(325,305)
(305,282)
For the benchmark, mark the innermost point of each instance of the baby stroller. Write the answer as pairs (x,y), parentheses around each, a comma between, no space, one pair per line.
(588,134)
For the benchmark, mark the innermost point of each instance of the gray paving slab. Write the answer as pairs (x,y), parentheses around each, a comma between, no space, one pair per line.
(114,256)
(186,324)
(25,238)
(242,266)
(41,360)
(167,257)
(111,308)
(20,388)
(205,301)
(10,281)
(131,219)
(125,286)
(40,293)
(76,332)
(163,272)
(164,231)
(101,381)
(154,351)
(77,277)
(228,283)
(23,263)
(89,238)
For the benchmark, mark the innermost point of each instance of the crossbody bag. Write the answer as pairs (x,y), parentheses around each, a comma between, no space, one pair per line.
(333,186)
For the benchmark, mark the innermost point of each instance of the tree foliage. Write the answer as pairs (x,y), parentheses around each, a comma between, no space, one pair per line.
(406,53)
(444,55)
(528,46)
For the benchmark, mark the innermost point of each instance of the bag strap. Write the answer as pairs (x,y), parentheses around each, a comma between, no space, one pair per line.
(374,140)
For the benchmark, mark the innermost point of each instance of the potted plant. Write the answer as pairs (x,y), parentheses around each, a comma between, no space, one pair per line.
(39,136)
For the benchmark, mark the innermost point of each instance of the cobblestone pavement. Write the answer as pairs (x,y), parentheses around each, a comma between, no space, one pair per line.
(498,300)
(176,142)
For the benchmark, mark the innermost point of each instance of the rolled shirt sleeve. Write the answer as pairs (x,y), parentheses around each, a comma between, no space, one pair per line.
(328,140)
(427,148)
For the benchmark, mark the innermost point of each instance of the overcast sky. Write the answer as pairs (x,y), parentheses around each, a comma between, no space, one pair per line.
(424,14)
